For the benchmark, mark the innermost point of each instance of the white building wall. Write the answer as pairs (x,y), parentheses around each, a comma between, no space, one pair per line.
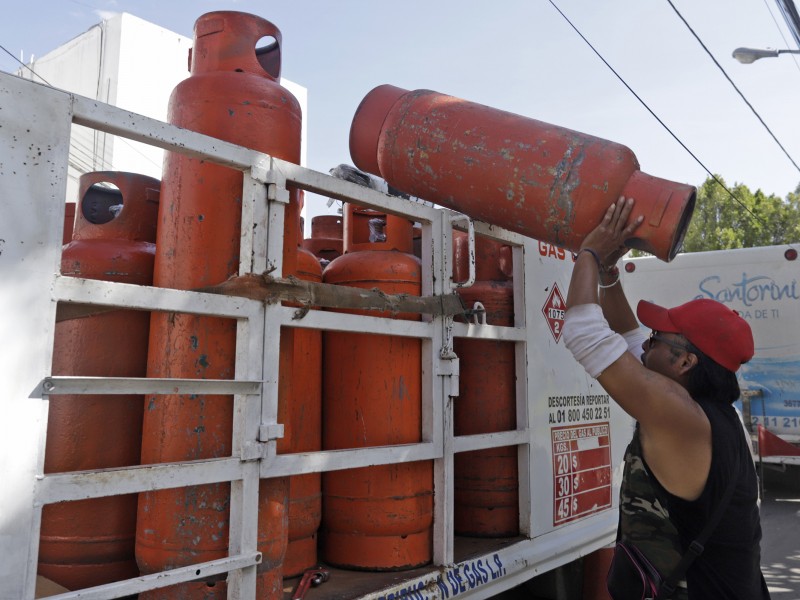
(76,66)
(151,61)
(301,93)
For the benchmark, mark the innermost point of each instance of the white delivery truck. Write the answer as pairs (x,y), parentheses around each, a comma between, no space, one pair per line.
(569,436)
(762,285)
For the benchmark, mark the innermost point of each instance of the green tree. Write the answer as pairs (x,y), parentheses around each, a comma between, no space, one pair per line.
(720,222)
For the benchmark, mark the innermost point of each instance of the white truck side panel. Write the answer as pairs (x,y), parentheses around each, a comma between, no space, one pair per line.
(577,453)
(35,130)
(761,284)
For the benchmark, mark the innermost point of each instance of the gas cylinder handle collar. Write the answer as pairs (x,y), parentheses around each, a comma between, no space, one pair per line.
(269,55)
(470,251)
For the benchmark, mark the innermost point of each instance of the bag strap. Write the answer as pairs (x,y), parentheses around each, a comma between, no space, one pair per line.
(696,548)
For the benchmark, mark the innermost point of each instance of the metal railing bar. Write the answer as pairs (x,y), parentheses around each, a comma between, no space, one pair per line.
(146,385)
(333,460)
(136,297)
(483,441)
(154,581)
(82,485)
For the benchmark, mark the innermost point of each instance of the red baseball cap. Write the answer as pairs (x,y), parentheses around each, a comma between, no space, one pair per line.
(713,328)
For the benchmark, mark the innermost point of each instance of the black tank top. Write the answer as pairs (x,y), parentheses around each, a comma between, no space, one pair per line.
(730,565)
(729,568)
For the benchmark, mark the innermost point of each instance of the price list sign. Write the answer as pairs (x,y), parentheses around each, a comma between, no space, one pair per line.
(581,471)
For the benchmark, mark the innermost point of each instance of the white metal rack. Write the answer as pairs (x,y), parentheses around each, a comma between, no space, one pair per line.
(35,124)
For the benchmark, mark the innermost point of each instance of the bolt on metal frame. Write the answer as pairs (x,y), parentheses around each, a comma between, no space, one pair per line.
(36,121)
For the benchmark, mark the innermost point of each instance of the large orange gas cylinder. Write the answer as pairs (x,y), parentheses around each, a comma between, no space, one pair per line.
(375,517)
(90,542)
(486,481)
(302,419)
(232,94)
(537,179)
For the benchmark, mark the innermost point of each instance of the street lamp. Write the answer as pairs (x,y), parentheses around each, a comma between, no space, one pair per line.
(749,55)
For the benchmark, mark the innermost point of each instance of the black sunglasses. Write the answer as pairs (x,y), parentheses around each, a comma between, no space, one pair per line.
(657,336)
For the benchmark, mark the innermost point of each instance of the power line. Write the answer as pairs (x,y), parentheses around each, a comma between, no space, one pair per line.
(738,91)
(780,31)
(24,65)
(655,116)
(791,16)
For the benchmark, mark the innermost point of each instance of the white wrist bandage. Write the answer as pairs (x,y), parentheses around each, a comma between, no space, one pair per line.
(635,338)
(587,335)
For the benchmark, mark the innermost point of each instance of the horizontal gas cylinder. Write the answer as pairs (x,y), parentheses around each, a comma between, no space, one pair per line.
(537,179)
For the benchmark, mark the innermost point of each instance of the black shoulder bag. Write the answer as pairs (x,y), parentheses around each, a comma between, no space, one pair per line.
(632,577)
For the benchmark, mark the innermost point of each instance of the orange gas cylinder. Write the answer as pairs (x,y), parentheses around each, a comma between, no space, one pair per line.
(537,179)
(326,237)
(69,222)
(232,94)
(302,419)
(113,240)
(375,517)
(486,481)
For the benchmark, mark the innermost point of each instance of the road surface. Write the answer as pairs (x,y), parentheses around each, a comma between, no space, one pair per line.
(780,522)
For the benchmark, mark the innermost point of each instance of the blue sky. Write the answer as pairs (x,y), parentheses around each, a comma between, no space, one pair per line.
(520,56)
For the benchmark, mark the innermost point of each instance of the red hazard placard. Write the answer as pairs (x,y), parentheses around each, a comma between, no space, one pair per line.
(553,311)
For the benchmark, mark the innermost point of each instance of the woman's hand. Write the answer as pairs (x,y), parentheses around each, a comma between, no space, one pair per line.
(608,238)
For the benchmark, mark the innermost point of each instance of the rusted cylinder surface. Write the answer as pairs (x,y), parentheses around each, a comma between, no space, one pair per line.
(112,240)
(302,420)
(273,498)
(232,94)
(229,95)
(493,261)
(486,481)
(376,518)
(537,179)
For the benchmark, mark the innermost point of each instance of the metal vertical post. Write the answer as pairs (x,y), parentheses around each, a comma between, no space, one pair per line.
(247,408)
(272,261)
(438,241)
(523,264)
